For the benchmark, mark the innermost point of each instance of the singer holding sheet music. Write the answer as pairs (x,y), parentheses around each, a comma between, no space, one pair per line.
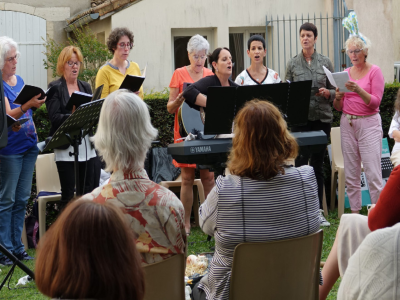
(197,49)
(17,159)
(361,124)
(68,66)
(308,65)
(113,72)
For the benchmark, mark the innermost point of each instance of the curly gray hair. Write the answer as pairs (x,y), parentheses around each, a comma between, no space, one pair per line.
(197,43)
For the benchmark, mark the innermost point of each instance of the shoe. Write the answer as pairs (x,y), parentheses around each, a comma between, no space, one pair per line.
(23,256)
(5,261)
(322,220)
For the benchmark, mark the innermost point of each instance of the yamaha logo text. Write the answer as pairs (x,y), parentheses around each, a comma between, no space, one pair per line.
(201,149)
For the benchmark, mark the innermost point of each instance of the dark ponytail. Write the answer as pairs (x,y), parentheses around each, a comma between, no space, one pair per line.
(214,56)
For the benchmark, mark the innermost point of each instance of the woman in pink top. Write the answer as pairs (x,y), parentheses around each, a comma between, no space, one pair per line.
(360,124)
(197,52)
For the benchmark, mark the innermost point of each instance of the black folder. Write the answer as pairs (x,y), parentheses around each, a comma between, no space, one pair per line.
(30,91)
(79,98)
(11,121)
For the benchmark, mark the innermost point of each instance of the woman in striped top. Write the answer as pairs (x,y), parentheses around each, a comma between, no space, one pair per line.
(264,199)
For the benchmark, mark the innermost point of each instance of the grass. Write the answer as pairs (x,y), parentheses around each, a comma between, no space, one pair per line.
(197,244)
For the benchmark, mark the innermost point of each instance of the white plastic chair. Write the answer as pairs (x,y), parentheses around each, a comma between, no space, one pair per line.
(46,180)
(337,179)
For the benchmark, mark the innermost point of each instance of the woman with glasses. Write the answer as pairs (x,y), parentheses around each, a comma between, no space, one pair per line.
(69,65)
(197,49)
(112,74)
(361,124)
(17,159)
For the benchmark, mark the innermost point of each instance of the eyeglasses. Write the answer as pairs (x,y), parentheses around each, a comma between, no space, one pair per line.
(76,63)
(10,59)
(357,51)
(196,57)
(123,45)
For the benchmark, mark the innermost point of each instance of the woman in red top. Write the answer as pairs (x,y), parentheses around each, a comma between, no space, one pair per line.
(197,52)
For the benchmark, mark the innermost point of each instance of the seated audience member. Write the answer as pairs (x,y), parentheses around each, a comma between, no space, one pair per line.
(372,272)
(154,213)
(354,228)
(263,200)
(89,253)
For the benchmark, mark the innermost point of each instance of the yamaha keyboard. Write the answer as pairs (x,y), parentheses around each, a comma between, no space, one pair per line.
(215,151)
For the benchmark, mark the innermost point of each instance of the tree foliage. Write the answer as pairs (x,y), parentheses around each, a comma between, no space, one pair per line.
(95,54)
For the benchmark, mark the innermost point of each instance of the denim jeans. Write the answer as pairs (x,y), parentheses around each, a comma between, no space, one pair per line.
(16,173)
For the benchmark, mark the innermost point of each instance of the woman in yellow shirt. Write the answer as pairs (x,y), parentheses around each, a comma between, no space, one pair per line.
(112,73)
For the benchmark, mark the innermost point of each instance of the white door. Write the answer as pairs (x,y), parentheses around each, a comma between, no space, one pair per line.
(28,31)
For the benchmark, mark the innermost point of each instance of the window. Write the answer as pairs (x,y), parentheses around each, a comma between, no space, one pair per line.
(395,73)
(238,38)
(101,37)
(180,38)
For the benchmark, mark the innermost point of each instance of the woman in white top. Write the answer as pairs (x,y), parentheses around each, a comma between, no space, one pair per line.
(394,132)
(257,73)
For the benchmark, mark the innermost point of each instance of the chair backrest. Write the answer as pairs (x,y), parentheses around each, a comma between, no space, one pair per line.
(287,269)
(165,280)
(46,174)
(336,146)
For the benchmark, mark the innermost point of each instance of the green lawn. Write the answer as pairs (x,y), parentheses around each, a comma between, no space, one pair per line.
(197,243)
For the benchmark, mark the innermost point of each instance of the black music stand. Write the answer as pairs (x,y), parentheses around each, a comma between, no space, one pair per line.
(223,103)
(220,110)
(74,129)
(16,262)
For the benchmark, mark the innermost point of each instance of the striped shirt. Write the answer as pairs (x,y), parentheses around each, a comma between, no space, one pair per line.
(282,207)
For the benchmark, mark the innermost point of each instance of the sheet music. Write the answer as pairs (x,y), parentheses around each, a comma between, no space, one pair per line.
(338,79)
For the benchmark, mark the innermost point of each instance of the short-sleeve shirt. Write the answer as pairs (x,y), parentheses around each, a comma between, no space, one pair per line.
(25,138)
(245,78)
(180,76)
(153,212)
(112,78)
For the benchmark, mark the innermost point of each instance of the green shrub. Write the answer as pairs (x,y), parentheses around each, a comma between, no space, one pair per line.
(160,117)
(95,54)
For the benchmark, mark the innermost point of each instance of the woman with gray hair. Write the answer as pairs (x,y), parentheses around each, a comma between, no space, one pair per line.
(197,52)
(153,212)
(360,124)
(17,159)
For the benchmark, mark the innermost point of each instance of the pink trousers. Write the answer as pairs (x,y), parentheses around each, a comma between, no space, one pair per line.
(362,142)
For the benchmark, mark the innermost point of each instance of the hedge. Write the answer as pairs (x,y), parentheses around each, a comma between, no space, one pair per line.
(164,122)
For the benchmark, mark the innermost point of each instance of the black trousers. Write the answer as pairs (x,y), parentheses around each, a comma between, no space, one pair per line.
(197,293)
(66,172)
(316,160)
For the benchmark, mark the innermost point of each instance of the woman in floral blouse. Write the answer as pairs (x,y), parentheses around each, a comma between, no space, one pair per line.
(153,212)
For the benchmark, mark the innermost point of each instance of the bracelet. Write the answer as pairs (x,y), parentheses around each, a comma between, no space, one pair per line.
(22,109)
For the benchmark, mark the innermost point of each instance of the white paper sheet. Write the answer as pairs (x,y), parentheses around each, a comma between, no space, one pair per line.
(338,79)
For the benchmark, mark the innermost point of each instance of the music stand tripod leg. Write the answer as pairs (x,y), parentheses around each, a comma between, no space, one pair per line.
(75,142)
(16,262)
(8,276)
